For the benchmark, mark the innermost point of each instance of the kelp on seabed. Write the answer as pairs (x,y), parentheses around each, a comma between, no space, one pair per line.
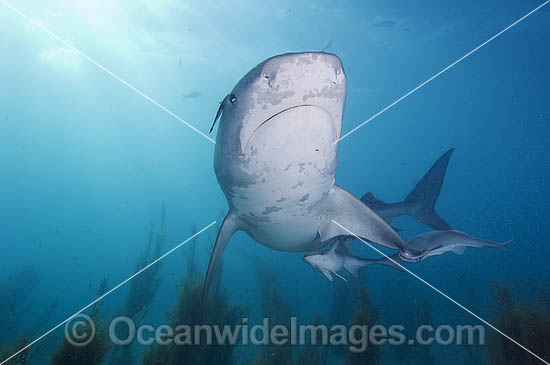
(351,305)
(143,289)
(20,359)
(94,352)
(421,354)
(275,305)
(365,314)
(218,310)
(15,290)
(527,323)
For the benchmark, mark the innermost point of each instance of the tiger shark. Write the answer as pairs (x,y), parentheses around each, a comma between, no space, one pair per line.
(276,155)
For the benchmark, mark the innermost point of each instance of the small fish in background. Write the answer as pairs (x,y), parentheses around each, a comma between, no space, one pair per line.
(192,95)
(388,23)
(7,277)
(179,62)
(327,45)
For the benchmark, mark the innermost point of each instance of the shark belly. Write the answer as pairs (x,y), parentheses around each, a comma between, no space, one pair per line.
(282,207)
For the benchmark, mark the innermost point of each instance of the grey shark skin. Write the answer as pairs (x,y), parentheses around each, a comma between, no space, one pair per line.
(438,242)
(331,261)
(420,203)
(275,159)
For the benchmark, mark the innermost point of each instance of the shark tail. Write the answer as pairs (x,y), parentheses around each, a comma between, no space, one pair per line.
(421,200)
(354,264)
(420,203)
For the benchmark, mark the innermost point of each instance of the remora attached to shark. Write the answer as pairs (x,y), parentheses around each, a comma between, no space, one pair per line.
(275,159)
(438,242)
(425,245)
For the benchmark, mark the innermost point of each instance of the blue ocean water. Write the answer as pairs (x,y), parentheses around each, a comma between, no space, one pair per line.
(87,163)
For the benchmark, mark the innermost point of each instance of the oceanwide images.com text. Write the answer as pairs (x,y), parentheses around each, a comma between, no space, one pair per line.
(81,330)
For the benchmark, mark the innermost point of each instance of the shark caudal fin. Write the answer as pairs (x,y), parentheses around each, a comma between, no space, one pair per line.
(421,200)
(420,203)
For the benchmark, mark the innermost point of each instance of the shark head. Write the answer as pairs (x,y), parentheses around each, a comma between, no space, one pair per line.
(328,262)
(293,103)
(281,83)
(322,261)
(318,260)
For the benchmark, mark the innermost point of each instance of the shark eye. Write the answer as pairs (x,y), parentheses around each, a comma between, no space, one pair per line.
(232,99)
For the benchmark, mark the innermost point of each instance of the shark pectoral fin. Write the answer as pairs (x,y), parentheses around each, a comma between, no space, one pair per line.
(357,218)
(458,250)
(229,226)
(327,274)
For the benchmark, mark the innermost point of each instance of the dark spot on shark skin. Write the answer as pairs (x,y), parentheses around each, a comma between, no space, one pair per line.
(243,197)
(305,60)
(263,181)
(286,168)
(246,162)
(299,183)
(280,200)
(254,217)
(328,93)
(301,166)
(310,94)
(271,209)
(305,197)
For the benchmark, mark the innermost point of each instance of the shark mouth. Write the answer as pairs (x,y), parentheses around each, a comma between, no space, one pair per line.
(276,114)
(282,111)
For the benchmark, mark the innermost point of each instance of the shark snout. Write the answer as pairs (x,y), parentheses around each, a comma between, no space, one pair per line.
(309,259)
